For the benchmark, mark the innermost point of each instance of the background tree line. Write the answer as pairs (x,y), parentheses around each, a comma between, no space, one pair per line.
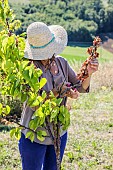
(81,18)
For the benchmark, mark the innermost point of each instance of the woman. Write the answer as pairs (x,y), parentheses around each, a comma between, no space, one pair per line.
(43,45)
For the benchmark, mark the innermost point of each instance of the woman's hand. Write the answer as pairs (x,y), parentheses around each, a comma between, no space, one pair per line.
(66,90)
(72,94)
(92,66)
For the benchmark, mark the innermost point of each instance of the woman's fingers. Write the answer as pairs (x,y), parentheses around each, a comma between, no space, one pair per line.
(94,62)
(72,94)
(68,91)
(95,67)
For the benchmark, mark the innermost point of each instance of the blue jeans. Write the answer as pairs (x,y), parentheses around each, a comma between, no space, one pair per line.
(36,156)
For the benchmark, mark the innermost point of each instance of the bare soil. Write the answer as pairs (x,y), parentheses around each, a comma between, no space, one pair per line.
(107,41)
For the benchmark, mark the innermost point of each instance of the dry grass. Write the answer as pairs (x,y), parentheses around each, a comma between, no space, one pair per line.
(90,145)
(102,78)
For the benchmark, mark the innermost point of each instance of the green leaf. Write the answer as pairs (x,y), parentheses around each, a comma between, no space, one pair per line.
(30,73)
(40,99)
(34,123)
(23,34)
(12,89)
(34,79)
(26,75)
(61,118)
(40,138)
(30,69)
(0,105)
(44,95)
(36,85)
(41,121)
(23,65)
(12,132)
(58,102)
(51,94)
(53,103)
(43,81)
(4,42)
(18,134)
(23,97)
(35,103)
(8,64)
(41,135)
(54,112)
(30,135)
(16,92)
(39,113)
(62,108)
(44,133)
(7,109)
(31,98)
(38,72)
(17,82)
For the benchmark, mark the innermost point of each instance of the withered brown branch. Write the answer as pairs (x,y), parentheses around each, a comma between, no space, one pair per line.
(92,51)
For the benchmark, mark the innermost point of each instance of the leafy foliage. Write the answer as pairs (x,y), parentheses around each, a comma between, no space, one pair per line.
(20,80)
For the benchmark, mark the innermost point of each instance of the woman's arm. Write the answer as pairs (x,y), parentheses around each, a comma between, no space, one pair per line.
(92,68)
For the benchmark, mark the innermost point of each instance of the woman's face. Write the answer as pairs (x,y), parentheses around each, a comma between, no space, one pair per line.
(44,62)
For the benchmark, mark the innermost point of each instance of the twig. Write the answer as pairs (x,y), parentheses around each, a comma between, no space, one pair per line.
(49,130)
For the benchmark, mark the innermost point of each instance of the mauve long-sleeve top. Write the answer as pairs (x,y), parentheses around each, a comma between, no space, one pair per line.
(65,73)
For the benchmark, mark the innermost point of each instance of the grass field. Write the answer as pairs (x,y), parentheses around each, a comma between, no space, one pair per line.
(90,136)
(80,54)
(90,145)
(20,1)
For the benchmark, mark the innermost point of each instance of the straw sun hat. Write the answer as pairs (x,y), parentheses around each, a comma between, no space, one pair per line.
(44,41)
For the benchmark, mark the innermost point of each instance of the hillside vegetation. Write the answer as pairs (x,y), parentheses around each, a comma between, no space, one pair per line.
(81,18)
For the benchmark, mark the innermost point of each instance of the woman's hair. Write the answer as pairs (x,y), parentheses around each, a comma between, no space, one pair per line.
(48,64)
